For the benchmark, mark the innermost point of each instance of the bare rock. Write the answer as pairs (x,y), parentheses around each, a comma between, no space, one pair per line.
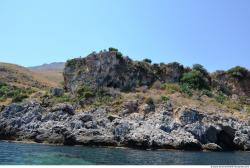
(65,107)
(56,92)
(211,147)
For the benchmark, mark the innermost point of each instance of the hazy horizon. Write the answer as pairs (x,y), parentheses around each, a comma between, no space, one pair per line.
(212,33)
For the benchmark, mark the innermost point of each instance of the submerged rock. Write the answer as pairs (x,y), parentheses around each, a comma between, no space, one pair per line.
(212,147)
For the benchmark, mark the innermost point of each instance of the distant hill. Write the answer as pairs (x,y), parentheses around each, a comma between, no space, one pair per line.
(55,66)
(23,77)
(52,71)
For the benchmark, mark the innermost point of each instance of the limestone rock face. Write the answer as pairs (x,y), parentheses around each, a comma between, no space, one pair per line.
(237,84)
(108,69)
(171,72)
(189,116)
(56,92)
(189,130)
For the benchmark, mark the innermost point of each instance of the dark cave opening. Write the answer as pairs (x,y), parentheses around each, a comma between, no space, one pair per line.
(225,140)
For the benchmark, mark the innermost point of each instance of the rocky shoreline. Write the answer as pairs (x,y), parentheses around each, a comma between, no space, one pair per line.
(163,128)
(110,100)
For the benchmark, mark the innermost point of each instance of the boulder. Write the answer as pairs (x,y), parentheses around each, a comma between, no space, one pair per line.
(189,116)
(130,107)
(65,107)
(211,147)
(56,92)
(147,108)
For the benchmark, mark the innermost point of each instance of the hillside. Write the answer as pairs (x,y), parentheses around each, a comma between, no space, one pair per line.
(52,72)
(55,66)
(22,77)
(224,91)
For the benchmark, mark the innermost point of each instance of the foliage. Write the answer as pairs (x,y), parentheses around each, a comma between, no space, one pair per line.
(195,80)
(220,97)
(164,98)
(113,49)
(170,88)
(149,101)
(147,60)
(186,89)
(200,68)
(13,92)
(85,92)
(71,62)
(238,72)
(207,93)
(119,55)
(62,99)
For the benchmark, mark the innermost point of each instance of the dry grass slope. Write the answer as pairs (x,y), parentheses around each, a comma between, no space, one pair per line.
(22,77)
(53,72)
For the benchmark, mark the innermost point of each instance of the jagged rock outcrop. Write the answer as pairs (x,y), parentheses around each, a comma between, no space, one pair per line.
(108,69)
(232,83)
(183,129)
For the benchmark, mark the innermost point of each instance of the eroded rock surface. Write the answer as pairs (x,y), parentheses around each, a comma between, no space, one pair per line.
(109,69)
(185,129)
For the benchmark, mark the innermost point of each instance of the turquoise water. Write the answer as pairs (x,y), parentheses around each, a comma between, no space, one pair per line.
(39,154)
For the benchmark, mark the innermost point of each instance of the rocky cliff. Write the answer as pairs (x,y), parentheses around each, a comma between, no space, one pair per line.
(183,129)
(233,82)
(161,108)
(111,69)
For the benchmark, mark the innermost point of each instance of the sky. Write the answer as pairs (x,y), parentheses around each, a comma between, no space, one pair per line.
(214,33)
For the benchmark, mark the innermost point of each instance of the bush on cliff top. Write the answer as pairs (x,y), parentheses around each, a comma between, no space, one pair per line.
(147,60)
(197,78)
(238,72)
(113,49)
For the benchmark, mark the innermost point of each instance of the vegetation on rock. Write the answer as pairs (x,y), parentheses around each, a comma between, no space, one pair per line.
(13,92)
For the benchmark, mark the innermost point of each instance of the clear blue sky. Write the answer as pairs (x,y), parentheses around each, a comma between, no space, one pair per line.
(215,33)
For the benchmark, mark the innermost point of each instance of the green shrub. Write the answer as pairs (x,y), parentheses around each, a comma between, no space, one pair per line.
(186,89)
(171,88)
(113,49)
(62,99)
(147,60)
(248,109)
(164,98)
(85,92)
(118,55)
(13,92)
(207,93)
(244,100)
(195,80)
(88,95)
(238,72)
(71,62)
(200,68)
(220,97)
(233,104)
(149,101)
(19,98)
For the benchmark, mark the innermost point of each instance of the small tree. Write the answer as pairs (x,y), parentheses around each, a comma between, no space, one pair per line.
(113,49)
(195,80)
(238,72)
(147,60)
(200,68)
